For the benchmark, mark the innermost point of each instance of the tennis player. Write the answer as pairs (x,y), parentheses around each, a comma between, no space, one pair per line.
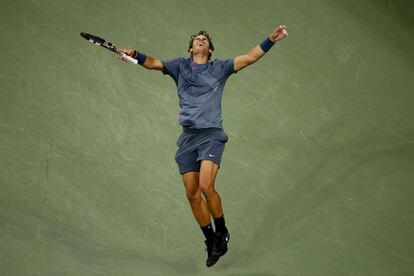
(200,84)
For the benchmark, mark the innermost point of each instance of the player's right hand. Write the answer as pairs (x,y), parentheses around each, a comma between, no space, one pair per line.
(129,52)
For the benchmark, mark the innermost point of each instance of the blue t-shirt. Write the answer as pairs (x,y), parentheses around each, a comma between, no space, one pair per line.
(200,88)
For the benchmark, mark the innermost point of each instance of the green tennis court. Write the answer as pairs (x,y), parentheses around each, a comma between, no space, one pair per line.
(316,179)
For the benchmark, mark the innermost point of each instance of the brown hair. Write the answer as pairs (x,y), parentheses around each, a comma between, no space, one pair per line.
(202,32)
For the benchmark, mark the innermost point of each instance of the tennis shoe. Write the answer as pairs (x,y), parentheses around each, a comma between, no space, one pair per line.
(220,244)
(211,260)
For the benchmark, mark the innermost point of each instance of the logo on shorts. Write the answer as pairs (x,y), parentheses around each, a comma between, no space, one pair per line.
(210,155)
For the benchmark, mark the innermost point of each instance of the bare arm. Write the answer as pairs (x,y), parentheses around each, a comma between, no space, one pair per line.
(150,63)
(257,52)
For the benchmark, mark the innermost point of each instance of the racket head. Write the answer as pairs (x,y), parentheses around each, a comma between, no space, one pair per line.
(99,41)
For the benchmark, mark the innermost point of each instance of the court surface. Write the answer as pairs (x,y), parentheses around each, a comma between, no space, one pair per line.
(317,176)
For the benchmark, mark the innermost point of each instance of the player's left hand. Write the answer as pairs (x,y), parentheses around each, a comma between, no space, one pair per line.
(279,33)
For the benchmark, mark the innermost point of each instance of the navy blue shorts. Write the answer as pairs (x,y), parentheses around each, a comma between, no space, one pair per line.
(195,145)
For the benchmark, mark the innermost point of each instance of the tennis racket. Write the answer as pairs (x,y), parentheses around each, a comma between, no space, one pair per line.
(107,45)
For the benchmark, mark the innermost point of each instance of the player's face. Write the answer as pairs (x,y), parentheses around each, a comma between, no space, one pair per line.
(201,42)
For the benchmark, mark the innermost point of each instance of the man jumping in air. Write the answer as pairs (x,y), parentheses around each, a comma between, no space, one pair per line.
(200,84)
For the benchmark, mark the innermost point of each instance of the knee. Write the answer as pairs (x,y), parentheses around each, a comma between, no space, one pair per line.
(207,190)
(194,197)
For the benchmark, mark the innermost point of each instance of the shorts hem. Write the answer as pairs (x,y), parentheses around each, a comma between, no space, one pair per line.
(189,170)
(212,160)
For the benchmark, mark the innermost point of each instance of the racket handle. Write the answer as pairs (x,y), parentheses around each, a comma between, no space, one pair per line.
(129,59)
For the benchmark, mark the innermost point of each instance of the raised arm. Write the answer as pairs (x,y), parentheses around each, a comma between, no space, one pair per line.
(148,62)
(260,50)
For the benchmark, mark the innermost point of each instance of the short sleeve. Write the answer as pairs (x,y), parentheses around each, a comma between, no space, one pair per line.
(227,67)
(171,67)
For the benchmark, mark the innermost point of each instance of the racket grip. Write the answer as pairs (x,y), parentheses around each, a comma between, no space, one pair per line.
(129,59)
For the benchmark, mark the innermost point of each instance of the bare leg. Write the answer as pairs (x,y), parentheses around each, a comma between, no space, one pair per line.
(198,205)
(208,172)
(203,182)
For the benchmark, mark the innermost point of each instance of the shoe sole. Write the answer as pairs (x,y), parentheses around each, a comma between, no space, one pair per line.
(215,261)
